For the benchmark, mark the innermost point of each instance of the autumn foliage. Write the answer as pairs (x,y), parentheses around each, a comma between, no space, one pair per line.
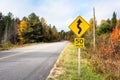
(115,35)
(21,29)
(115,39)
(106,58)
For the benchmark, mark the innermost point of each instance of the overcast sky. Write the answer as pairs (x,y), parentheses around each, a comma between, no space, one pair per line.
(61,12)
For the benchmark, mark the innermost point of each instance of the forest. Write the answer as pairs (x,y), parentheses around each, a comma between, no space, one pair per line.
(30,29)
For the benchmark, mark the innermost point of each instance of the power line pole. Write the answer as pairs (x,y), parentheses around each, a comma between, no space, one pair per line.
(94,26)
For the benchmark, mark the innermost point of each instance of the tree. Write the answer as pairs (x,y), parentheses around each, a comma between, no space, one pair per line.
(62,34)
(8,24)
(34,29)
(118,23)
(25,18)
(55,35)
(103,22)
(8,28)
(46,34)
(43,22)
(51,33)
(91,26)
(108,21)
(33,19)
(90,30)
(15,30)
(69,35)
(113,21)
(21,29)
(1,27)
(104,28)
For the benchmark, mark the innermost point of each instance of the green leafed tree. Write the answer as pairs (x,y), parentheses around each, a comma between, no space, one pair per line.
(104,28)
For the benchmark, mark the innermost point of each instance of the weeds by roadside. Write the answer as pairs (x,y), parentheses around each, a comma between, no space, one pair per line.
(66,67)
(9,45)
(106,59)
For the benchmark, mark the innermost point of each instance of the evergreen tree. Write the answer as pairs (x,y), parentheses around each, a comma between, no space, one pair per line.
(62,34)
(113,21)
(34,29)
(108,21)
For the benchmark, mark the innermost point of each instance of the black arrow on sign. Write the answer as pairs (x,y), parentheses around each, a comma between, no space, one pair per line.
(78,26)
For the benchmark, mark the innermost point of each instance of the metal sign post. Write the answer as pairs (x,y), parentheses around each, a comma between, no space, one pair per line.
(79,61)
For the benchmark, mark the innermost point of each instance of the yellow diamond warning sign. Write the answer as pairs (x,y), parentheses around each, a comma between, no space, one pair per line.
(79,42)
(79,26)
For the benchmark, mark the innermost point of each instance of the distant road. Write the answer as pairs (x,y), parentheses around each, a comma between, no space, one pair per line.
(29,63)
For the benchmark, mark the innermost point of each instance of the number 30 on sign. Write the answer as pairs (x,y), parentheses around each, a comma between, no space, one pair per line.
(79,42)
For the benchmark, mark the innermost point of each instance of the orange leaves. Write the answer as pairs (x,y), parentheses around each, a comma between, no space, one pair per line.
(109,45)
(115,34)
(115,37)
(107,55)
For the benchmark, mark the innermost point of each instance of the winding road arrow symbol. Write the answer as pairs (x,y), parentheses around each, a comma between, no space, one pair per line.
(78,26)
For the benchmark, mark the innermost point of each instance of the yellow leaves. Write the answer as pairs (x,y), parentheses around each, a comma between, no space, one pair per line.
(21,29)
(22,26)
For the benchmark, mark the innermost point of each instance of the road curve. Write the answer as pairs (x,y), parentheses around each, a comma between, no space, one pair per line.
(29,63)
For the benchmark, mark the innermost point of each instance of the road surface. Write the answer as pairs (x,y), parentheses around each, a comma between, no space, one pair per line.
(29,63)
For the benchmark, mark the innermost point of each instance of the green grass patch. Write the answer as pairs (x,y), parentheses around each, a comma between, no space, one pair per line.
(6,46)
(69,63)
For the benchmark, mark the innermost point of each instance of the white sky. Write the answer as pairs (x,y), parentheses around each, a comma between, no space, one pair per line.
(61,12)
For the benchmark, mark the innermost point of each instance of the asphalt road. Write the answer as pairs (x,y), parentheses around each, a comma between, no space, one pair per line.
(29,63)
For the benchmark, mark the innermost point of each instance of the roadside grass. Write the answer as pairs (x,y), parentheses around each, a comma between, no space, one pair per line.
(9,45)
(67,66)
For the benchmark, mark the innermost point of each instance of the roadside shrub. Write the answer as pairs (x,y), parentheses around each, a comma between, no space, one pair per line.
(106,59)
(6,45)
(104,28)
